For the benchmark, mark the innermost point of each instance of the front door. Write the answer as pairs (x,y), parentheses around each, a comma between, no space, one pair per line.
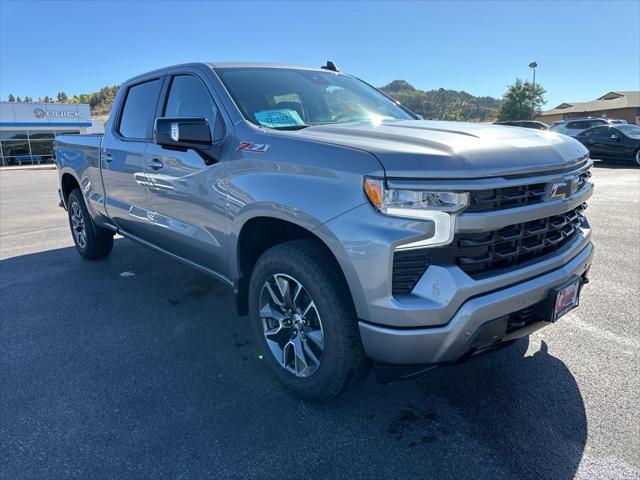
(187,197)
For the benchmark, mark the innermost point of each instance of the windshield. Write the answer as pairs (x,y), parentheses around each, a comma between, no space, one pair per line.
(632,131)
(292,99)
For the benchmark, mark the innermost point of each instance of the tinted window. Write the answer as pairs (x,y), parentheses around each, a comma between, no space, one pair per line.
(13,135)
(594,123)
(15,147)
(139,109)
(597,132)
(632,131)
(578,125)
(190,98)
(46,135)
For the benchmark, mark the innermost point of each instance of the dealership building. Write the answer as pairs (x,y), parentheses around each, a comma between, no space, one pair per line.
(613,105)
(27,130)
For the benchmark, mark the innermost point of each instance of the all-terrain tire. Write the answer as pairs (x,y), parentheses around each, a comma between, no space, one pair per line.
(342,358)
(92,242)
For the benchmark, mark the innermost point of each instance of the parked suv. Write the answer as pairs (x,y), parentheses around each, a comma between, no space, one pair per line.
(574,126)
(352,232)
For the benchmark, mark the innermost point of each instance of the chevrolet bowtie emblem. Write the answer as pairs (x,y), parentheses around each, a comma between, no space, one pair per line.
(562,189)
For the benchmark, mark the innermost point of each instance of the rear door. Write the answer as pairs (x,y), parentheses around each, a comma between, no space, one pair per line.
(123,156)
(186,188)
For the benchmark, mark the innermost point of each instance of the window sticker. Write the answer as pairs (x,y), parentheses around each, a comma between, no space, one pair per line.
(279,118)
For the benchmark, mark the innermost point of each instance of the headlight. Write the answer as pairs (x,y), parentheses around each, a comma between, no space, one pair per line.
(439,207)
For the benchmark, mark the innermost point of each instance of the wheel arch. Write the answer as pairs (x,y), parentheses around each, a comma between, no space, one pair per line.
(261,232)
(68,182)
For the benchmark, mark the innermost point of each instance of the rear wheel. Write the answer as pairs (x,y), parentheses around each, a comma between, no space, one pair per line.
(304,321)
(91,241)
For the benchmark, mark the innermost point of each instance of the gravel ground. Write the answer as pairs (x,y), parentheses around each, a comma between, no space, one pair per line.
(150,374)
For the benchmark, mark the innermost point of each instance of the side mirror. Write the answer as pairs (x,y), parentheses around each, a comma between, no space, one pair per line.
(182,133)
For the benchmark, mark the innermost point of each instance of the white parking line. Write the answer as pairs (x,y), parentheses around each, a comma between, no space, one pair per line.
(605,334)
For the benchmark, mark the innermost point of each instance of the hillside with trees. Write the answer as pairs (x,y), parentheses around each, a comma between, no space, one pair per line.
(443,104)
(439,104)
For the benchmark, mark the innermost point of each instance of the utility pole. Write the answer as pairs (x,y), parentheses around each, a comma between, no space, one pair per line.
(533,66)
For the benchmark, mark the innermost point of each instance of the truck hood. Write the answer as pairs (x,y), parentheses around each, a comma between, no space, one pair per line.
(431,149)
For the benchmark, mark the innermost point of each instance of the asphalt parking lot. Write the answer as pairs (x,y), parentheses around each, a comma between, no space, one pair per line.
(138,367)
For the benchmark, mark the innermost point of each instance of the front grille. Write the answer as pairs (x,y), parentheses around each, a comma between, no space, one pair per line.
(494,251)
(511,197)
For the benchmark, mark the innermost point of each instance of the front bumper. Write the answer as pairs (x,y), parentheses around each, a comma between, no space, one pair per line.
(451,342)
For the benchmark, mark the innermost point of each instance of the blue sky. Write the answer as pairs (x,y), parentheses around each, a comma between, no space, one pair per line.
(583,49)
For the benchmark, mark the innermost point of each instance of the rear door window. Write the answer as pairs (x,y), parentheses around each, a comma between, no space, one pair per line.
(578,125)
(595,123)
(597,132)
(136,120)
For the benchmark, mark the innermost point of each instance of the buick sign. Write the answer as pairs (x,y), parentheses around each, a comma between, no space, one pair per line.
(40,113)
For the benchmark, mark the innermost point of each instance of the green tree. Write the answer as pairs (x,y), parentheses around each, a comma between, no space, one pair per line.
(47,99)
(521,101)
(11,98)
(62,97)
(18,99)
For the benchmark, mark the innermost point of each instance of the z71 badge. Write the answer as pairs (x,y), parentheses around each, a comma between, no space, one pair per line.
(253,147)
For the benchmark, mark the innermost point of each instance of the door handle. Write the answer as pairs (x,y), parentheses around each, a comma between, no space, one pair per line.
(156,164)
(108,157)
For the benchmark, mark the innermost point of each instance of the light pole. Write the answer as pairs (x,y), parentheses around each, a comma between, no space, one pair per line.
(533,66)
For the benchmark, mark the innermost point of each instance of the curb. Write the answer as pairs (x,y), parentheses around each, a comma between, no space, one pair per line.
(29,167)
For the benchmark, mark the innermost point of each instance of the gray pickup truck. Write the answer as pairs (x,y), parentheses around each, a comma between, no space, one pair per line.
(353,233)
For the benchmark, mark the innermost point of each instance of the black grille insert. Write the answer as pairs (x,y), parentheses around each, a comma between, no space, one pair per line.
(494,251)
(511,197)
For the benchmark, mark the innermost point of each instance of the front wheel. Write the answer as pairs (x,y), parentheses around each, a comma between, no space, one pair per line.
(92,242)
(304,321)
(638,157)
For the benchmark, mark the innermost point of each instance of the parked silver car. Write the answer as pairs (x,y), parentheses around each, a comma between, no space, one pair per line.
(574,126)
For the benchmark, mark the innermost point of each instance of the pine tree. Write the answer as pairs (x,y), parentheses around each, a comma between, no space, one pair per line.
(11,98)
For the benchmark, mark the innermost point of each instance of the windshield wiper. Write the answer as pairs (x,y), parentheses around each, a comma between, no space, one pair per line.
(290,127)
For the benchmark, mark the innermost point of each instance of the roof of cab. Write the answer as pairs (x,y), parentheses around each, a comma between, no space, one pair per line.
(221,65)
(216,65)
